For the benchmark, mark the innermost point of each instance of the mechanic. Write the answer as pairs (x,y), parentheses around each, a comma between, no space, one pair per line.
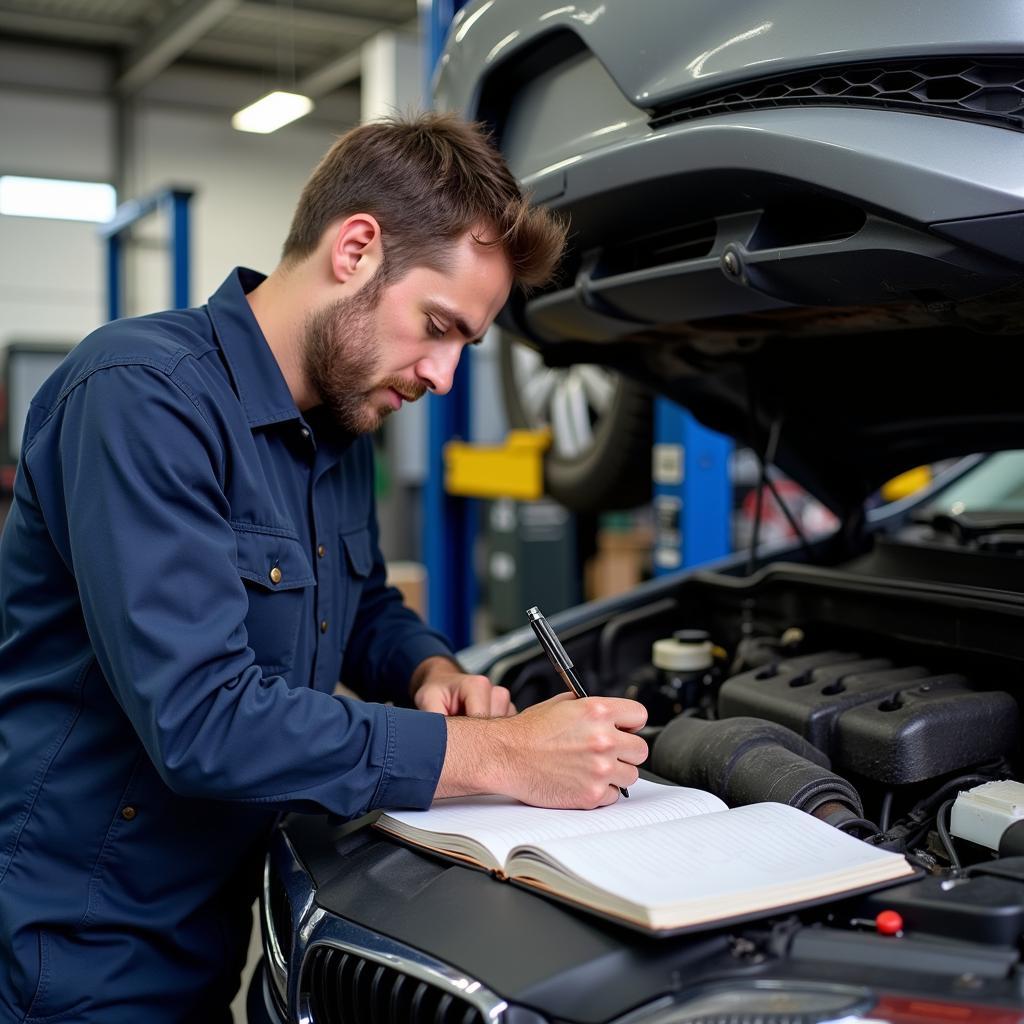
(191,564)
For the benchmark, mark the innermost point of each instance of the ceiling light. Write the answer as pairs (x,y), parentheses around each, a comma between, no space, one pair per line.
(273,111)
(56,198)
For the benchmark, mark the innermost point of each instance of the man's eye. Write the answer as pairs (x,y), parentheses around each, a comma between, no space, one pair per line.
(433,330)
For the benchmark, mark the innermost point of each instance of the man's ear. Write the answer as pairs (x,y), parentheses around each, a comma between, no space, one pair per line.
(356,250)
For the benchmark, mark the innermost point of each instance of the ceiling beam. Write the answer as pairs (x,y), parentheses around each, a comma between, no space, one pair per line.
(46,27)
(341,70)
(328,23)
(257,56)
(344,68)
(170,39)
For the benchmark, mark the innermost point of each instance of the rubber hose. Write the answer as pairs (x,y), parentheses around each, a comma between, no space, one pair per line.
(749,760)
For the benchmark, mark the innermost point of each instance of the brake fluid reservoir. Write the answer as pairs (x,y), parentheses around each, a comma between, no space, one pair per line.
(682,660)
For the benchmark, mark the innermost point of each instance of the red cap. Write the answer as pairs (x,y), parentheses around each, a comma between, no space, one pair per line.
(888,922)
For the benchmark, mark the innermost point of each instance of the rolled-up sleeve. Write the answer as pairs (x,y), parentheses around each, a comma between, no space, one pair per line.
(130,476)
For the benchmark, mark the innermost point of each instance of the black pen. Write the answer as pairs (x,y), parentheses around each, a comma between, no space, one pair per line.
(559,658)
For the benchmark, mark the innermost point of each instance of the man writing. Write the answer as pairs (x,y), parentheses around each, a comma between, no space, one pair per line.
(191,563)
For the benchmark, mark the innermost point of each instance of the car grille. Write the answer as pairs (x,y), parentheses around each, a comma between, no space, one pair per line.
(346,988)
(990,91)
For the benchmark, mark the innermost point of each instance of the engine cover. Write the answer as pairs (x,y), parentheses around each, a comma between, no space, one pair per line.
(937,726)
(884,722)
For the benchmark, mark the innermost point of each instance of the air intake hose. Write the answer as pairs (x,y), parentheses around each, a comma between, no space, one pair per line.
(748,760)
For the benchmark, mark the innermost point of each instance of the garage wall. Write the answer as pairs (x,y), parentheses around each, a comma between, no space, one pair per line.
(56,122)
(246,187)
(50,271)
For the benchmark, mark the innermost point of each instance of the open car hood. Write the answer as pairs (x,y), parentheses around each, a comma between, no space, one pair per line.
(850,412)
(770,230)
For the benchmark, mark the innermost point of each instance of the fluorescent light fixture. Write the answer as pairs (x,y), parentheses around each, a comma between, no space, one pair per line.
(56,198)
(273,111)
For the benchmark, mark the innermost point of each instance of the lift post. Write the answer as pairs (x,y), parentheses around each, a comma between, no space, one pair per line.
(173,201)
(449,522)
(692,490)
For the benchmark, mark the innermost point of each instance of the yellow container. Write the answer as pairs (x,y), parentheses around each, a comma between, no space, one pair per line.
(514,469)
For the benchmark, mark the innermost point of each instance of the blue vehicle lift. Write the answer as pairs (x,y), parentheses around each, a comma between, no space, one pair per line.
(175,201)
(692,490)
(449,523)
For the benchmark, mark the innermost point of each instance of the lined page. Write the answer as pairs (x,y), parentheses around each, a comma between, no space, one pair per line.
(500,823)
(716,856)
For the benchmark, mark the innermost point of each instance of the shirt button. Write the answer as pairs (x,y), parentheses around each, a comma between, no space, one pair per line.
(128,813)
(323,626)
(321,550)
(275,575)
(305,433)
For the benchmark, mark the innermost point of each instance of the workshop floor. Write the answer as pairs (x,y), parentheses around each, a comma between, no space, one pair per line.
(238,1006)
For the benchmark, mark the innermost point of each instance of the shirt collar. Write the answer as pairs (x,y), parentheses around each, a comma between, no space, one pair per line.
(261,386)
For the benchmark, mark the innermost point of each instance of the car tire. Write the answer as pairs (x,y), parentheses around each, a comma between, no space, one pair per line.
(601,426)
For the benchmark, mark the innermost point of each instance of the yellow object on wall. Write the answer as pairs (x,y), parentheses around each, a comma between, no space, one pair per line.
(514,469)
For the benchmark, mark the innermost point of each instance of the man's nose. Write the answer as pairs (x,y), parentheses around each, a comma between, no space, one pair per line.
(437,370)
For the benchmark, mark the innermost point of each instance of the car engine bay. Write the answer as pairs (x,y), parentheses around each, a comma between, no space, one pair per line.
(860,700)
(886,706)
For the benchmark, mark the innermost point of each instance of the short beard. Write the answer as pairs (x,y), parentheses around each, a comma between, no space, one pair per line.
(340,355)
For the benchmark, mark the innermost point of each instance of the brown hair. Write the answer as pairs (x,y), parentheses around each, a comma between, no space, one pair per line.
(426,179)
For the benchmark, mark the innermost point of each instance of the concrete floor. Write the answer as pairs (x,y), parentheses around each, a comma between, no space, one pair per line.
(255,952)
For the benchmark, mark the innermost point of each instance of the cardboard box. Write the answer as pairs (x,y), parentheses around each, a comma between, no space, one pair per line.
(411,579)
(623,559)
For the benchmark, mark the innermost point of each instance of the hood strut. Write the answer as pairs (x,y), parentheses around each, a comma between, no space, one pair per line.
(766,460)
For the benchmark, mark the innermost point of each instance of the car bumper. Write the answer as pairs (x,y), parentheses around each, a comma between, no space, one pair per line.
(260,1007)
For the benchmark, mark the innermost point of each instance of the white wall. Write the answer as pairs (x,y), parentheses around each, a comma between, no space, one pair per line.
(51,272)
(57,121)
(246,187)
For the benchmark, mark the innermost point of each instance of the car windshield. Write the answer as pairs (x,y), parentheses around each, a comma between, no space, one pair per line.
(995,485)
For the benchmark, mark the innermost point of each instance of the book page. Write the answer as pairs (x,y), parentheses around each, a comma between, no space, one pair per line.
(719,856)
(500,823)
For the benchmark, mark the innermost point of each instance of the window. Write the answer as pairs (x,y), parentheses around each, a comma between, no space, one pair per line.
(56,198)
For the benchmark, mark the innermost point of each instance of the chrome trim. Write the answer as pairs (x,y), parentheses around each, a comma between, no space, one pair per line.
(277,970)
(314,926)
(298,887)
(323,929)
(271,1002)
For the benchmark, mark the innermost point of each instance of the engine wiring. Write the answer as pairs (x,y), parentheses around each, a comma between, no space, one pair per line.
(945,838)
(851,824)
(885,813)
(931,813)
(919,820)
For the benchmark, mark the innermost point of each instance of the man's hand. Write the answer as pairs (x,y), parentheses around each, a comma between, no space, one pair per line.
(564,752)
(440,685)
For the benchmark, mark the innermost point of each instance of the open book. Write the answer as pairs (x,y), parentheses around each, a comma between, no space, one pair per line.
(667,859)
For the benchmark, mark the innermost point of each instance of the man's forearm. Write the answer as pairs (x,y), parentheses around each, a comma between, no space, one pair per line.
(565,752)
(475,759)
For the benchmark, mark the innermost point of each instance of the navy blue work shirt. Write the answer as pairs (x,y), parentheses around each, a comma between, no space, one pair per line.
(188,568)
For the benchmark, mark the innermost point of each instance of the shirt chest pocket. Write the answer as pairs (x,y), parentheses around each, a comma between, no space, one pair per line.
(358,565)
(279,583)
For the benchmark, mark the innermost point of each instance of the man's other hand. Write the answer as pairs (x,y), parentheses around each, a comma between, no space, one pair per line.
(440,685)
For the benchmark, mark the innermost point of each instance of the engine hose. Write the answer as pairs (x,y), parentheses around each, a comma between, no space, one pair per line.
(748,760)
